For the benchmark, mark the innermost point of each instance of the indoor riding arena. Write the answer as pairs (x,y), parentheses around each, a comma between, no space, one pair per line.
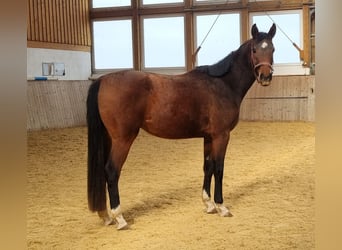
(268,182)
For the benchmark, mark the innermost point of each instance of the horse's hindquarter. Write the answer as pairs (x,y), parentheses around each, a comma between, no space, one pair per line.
(122,101)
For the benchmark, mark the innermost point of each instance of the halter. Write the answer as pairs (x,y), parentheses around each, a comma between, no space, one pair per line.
(255,66)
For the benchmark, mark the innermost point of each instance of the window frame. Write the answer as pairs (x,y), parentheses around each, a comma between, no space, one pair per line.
(192,7)
(161,4)
(170,70)
(91,5)
(205,2)
(102,71)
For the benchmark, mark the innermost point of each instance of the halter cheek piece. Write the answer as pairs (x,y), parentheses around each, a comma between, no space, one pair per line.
(255,66)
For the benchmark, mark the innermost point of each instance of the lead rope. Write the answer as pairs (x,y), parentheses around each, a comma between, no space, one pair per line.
(194,56)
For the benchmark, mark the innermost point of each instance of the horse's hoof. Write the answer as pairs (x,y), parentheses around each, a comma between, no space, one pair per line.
(211,210)
(108,221)
(226,214)
(223,211)
(122,224)
(210,207)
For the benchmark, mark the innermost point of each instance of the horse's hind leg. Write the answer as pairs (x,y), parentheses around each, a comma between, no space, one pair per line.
(119,152)
(113,174)
(208,169)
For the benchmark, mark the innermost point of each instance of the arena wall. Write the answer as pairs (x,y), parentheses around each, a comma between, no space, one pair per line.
(288,98)
(57,104)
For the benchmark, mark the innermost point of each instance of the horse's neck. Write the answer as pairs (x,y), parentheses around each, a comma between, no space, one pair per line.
(241,77)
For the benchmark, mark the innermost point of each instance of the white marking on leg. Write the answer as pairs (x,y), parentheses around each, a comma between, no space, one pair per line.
(116,211)
(209,205)
(117,214)
(205,196)
(107,220)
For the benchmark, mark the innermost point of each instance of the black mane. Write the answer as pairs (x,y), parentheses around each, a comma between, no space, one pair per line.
(220,68)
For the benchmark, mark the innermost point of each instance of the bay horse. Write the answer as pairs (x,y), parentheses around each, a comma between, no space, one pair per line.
(202,103)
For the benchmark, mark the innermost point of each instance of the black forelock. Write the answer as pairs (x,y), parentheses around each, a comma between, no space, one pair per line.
(261,36)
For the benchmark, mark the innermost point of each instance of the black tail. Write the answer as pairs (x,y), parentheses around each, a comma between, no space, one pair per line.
(98,151)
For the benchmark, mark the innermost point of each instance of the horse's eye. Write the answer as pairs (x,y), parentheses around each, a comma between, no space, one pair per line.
(254,50)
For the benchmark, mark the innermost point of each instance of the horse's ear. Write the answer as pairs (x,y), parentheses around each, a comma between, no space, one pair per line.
(254,31)
(272,31)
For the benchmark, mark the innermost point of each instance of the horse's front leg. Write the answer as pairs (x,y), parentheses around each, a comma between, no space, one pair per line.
(219,147)
(218,174)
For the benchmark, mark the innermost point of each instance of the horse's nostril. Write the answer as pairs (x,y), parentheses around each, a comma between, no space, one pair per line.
(263,77)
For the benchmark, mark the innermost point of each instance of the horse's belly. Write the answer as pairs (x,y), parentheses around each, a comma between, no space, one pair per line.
(173,127)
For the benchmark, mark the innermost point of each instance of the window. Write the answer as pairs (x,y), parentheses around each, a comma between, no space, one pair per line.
(286,56)
(110,3)
(216,1)
(113,44)
(160,1)
(222,39)
(163,42)
(162,35)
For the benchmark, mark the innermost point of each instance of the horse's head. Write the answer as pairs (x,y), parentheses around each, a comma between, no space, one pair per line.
(262,54)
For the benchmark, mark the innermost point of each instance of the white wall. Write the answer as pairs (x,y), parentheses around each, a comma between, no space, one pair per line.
(77,63)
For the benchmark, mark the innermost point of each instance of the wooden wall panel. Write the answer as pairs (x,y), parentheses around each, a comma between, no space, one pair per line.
(56,104)
(288,98)
(52,22)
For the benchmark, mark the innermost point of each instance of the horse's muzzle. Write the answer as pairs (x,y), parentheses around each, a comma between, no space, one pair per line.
(263,73)
(264,80)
